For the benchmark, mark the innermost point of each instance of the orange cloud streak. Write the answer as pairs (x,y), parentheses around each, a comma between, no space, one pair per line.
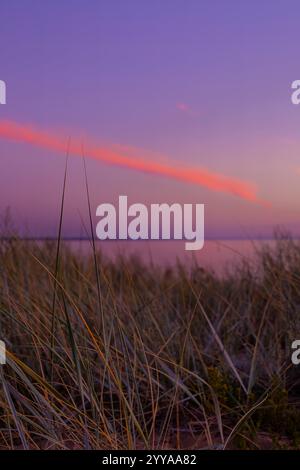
(214,181)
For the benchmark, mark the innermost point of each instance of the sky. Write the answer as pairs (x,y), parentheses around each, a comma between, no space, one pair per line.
(195,96)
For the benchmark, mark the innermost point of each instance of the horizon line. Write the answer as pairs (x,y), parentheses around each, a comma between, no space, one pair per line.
(76,238)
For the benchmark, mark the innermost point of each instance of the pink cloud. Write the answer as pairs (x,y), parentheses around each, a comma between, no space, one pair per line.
(185,108)
(215,181)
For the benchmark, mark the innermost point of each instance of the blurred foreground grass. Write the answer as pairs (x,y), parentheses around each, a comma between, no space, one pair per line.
(121,355)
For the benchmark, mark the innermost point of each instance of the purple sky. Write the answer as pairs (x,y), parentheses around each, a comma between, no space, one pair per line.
(206,83)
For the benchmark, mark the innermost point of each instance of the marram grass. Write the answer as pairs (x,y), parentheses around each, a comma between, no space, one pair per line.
(144,357)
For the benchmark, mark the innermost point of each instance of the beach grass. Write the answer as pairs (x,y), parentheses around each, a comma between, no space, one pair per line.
(119,354)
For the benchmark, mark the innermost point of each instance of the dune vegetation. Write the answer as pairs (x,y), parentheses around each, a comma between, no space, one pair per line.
(121,355)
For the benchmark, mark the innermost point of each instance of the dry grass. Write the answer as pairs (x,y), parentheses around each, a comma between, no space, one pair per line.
(119,355)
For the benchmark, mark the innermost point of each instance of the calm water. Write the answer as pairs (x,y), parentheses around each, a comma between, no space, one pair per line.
(217,255)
